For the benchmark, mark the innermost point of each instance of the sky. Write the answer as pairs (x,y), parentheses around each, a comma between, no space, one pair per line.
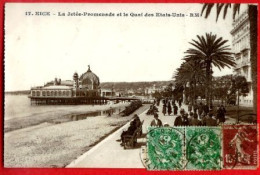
(40,48)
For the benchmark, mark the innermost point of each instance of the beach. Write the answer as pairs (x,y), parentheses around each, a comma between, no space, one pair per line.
(43,143)
(19,113)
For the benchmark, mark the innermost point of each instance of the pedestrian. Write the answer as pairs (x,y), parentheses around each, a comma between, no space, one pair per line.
(202,119)
(195,107)
(189,107)
(173,102)
(164,102)
(180,103)
(221,114)
(224,111)
(190,117)
(206,109)
(169,108)
(158,102)
(200,110)
(164,109)
(175,109)
(150,110)
(155,109)
(181,120)
(195,121)
(156,121)
(210,121)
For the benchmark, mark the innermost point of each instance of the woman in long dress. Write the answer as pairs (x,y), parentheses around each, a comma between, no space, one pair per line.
(164,109)
(169,108)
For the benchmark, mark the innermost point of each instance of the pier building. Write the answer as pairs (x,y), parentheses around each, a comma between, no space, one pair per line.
(84,89)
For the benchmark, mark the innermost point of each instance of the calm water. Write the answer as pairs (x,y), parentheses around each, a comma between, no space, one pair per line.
(17,106)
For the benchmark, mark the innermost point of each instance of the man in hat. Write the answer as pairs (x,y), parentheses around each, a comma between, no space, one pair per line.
(181,120)
(156,121)
(175,109)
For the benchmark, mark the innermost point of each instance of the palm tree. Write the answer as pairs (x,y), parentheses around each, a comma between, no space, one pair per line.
(191,72)
(212,51)
(252,13)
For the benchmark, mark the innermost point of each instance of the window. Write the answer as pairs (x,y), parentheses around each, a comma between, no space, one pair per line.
(43,93)
(38,93)
(33,93)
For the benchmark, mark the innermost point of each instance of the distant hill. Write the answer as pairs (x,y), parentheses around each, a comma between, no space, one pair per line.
(24,92)
(117,86)
(133,85)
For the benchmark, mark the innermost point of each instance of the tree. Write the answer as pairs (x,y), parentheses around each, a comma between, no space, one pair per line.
(168,91)
(240,87)
(222,87)
(157,95)
(252,13)
(211,51)
(178,91)
(190,72)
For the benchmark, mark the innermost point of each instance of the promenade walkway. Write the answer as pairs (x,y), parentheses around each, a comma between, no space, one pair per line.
(109,154)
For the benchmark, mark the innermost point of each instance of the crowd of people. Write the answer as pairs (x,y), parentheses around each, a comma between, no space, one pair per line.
(169,106)
(196,115)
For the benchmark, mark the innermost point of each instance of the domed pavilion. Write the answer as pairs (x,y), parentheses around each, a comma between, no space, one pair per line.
(82,89)
(89,80)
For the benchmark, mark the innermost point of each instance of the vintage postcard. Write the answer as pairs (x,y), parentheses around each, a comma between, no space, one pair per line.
(154,87)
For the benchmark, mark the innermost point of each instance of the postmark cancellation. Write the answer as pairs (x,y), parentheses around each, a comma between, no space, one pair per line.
(203,148)
(165,148)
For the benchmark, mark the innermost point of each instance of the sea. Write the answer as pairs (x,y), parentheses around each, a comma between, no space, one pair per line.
(17,106)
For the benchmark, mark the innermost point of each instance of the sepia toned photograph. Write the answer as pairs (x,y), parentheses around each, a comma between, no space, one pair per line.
(152,86)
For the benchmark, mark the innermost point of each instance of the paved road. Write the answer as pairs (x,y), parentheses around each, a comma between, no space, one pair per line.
(109,154)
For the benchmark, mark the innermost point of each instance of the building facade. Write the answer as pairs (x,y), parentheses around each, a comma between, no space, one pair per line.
(78,90)
(241,49)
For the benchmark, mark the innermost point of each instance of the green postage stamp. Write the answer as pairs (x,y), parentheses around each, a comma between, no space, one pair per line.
(203,148)
(183,148)
(165,148)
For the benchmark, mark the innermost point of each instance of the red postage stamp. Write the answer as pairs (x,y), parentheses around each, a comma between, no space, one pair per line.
(240,147)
